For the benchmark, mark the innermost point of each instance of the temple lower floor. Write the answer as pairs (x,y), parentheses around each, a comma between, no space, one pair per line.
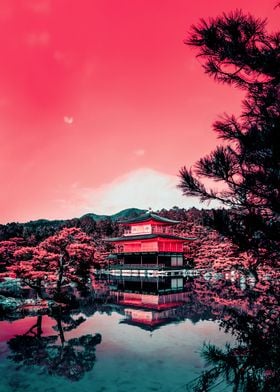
(148,260)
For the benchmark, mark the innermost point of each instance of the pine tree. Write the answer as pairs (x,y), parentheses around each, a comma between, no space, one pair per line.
(237,50)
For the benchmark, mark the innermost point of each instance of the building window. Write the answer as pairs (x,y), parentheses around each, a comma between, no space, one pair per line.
(177,261)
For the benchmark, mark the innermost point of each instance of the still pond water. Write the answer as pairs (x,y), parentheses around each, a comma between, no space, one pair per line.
(138,334)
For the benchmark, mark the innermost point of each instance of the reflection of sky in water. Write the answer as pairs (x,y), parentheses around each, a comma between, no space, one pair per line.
(144,356)
(127,358)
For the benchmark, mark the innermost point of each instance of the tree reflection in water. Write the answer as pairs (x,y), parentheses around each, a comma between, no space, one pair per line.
(253,363)
(249,314)
(68,358)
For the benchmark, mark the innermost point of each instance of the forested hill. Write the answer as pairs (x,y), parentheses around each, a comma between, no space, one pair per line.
(124,214)
(96,225)
(40,229)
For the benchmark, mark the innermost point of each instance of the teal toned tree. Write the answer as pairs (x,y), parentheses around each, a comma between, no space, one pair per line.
(53,353)
(251,316)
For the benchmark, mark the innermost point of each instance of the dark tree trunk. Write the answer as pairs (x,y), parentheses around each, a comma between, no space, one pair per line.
(39,289)
(60,275)
(39,326)
(60,330)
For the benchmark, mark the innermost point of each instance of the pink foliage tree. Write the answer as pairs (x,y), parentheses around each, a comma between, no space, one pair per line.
(7,249)
(75,253)
(59,259)
(34,267)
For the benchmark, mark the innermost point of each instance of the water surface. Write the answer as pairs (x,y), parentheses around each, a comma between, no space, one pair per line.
(132,335)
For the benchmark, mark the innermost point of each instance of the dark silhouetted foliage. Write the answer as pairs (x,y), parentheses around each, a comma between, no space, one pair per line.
(237,50)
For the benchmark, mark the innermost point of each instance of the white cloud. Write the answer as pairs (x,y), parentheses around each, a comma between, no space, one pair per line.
(139,152)
(142,188)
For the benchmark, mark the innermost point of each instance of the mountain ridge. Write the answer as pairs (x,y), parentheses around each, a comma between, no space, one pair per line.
(126,213)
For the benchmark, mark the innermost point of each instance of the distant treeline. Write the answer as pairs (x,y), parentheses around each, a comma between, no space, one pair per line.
(39,230)
(94,225)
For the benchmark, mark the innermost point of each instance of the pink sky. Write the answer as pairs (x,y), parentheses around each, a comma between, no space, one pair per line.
(101,103)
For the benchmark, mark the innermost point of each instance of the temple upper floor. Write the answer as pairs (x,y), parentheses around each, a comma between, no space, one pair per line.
(137,229)
(150,217)
(149,223)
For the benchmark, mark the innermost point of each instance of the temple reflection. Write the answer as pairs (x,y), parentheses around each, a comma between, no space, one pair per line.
(149,302)
(63,343)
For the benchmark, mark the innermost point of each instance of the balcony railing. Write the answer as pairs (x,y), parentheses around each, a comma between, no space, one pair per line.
(137,266)
(122,250)
(152,230)
(148,249)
